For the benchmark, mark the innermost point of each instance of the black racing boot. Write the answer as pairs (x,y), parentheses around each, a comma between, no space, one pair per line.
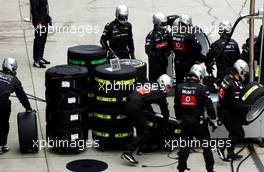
(3,149)
(44,61)
(233,157)
(221,153)
(38,65)
(128,157)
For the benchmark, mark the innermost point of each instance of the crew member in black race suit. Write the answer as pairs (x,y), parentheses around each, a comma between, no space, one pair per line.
(139,101)
(9,83)
(157,47)
(118,37)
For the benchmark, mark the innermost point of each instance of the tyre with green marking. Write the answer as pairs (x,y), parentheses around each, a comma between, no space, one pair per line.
(103,100)
(87,55)
(113,137)
(161,130)
(114,84)
(251,92)
(114,117)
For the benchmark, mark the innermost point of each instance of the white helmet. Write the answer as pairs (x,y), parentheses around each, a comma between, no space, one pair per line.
(225,27)
(160,21)
(122,13)
(185,19)
(165,80)
(198,71)
(10,64)
(242,68)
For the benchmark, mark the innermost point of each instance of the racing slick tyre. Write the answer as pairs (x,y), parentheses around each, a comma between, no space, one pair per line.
(66,78)
(162,131)
(67,140)
(111,117)
(27,132)
(114,84)
(251,92)
(66,100)
(113,137)
(62,118)
(140,66)
(87,55)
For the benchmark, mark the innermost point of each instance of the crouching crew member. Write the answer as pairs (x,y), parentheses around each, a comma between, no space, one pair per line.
(137,102)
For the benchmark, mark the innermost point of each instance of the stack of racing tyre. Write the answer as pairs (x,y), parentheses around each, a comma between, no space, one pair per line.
(67,107)
(89,56)
(112,127)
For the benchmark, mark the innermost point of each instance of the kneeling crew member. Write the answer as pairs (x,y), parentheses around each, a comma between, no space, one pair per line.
(137,102)
(9,83)
(191,99)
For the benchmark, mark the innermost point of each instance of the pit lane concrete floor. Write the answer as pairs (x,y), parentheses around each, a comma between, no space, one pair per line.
(16,39)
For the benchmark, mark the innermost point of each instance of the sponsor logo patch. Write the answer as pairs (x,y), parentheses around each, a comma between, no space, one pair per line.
(187,100)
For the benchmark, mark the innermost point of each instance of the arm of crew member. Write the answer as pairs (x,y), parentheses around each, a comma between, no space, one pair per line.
(158,97)
(130,44)
(236,103)
(209,105)
(21,95)
(149,45)
(163,104)
(177,105)
(35,12)
(105,37)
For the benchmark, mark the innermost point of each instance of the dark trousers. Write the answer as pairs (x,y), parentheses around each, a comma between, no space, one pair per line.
(234,126)
(136,115)
(39,42)
(122,54)
(5,109)
(200,132)
(157,67)
(222,72)
(181,73)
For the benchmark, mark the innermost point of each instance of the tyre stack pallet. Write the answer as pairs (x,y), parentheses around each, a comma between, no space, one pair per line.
(89,56)
(112,128)
(66,111)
